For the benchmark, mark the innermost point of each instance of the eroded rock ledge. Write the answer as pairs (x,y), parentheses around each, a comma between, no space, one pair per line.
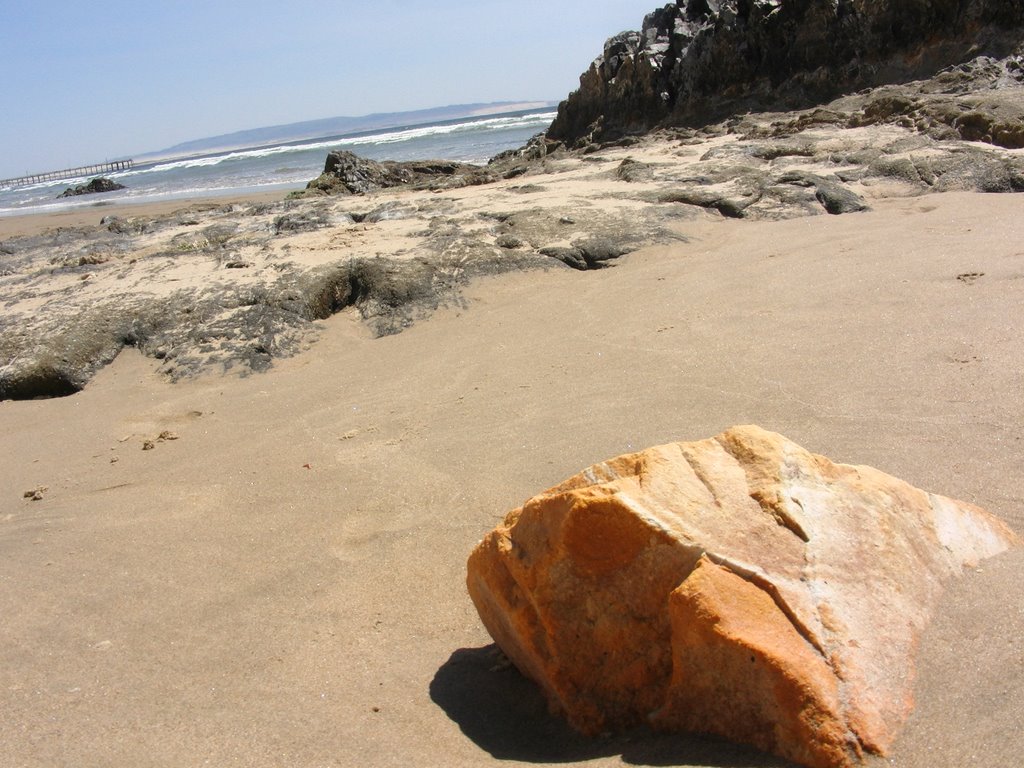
(218,288)
(738,585)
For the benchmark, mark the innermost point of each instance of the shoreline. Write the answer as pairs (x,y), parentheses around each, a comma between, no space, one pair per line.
(246,171)
(86,214)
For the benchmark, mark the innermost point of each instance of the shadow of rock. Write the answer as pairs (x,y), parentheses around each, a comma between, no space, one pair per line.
(505,714)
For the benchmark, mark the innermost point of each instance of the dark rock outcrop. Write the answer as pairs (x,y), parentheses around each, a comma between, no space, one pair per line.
(698,61)
(348,173)
(100,184)
(588,254)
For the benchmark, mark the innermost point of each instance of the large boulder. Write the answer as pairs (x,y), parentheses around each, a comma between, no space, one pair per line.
(347,173)
(697,61)
(738,585)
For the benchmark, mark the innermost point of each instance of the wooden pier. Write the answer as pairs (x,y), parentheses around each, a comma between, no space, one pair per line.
(69,173)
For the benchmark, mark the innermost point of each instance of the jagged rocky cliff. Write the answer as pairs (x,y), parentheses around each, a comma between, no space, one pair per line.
(698,61)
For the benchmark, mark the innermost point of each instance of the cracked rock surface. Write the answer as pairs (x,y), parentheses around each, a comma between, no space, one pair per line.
(738,585)
(694,62)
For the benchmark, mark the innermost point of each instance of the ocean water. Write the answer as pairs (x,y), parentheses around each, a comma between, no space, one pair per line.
(286,166)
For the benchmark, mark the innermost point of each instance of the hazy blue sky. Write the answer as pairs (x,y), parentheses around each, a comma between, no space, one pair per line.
(87,81)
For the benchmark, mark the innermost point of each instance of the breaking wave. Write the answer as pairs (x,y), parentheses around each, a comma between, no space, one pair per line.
(471,140)
(538,121)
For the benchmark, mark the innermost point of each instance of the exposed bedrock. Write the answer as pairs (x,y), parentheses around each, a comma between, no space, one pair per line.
(738,585)
(212,288)
(348,173)
(244,327)
(698,61)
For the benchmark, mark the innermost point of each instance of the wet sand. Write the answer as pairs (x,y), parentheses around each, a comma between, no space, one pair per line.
(22,225)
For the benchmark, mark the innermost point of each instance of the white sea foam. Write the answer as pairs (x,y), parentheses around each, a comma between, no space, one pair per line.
(471,140)
(376,139)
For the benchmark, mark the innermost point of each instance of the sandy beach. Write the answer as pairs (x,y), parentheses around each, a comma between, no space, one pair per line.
(280,579)
(90,215)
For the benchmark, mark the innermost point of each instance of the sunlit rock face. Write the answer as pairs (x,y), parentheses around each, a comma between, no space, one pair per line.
(698,61)
(738,585)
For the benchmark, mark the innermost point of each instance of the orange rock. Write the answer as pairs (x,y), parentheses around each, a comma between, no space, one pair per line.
(738,585)
(741,669)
